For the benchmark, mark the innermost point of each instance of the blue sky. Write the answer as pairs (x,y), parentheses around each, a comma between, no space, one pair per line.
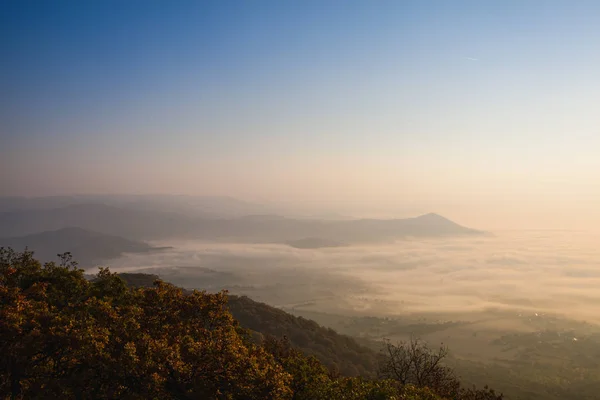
(363,102)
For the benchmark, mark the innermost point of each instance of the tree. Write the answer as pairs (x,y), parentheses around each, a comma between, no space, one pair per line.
(62,336)
(311,380)
(413,362)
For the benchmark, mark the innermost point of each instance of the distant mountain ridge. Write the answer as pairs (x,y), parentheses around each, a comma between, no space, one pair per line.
(87,247)
(143,224)
(198,206)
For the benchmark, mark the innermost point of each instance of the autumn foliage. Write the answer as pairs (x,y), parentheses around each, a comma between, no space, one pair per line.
(62,336)
(65,336)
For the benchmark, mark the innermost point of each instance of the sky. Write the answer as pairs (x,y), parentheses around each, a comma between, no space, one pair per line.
(483,111)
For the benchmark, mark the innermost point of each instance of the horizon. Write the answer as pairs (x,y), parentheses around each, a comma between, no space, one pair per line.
(481,112)
(284,210)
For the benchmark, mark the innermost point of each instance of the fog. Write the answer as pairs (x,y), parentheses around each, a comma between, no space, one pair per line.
(554,272)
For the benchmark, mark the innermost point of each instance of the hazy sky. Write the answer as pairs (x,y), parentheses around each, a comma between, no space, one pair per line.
(485,111)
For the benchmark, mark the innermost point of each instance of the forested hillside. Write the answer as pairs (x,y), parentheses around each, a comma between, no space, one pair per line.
(337,352)
(65,336)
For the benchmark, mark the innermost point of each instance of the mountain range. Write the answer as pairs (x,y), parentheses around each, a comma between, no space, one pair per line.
(145,224)
(198,206)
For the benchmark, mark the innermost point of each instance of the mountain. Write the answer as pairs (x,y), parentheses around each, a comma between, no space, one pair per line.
(198,206)
(86,247)
(101,218)
(144,224)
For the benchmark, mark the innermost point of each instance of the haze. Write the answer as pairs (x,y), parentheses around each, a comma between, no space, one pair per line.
(386,169)
(484,112)
(512,272)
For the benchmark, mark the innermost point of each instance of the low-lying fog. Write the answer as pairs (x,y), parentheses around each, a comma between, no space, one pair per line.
(536,272)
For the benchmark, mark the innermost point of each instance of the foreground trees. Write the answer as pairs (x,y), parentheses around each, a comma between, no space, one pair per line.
(415,363)
(63,336)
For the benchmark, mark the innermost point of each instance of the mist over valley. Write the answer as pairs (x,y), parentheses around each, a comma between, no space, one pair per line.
(478,292)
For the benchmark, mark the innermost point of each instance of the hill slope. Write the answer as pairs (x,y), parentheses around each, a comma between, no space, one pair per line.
(87,247)
(334,350)
(104,340)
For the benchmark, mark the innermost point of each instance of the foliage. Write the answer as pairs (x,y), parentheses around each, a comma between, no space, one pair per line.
(312,381)
(336,351)
(138,280)
(65,336)
(415,363)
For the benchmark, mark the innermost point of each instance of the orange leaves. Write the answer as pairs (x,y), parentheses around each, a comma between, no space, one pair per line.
(101,339)
(62,336)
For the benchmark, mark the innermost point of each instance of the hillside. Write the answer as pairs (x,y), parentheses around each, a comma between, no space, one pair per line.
(86,246)
(336,351)
(145,224)
(105,340)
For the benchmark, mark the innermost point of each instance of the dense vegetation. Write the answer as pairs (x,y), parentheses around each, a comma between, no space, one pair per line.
(337,352)
(62,335)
